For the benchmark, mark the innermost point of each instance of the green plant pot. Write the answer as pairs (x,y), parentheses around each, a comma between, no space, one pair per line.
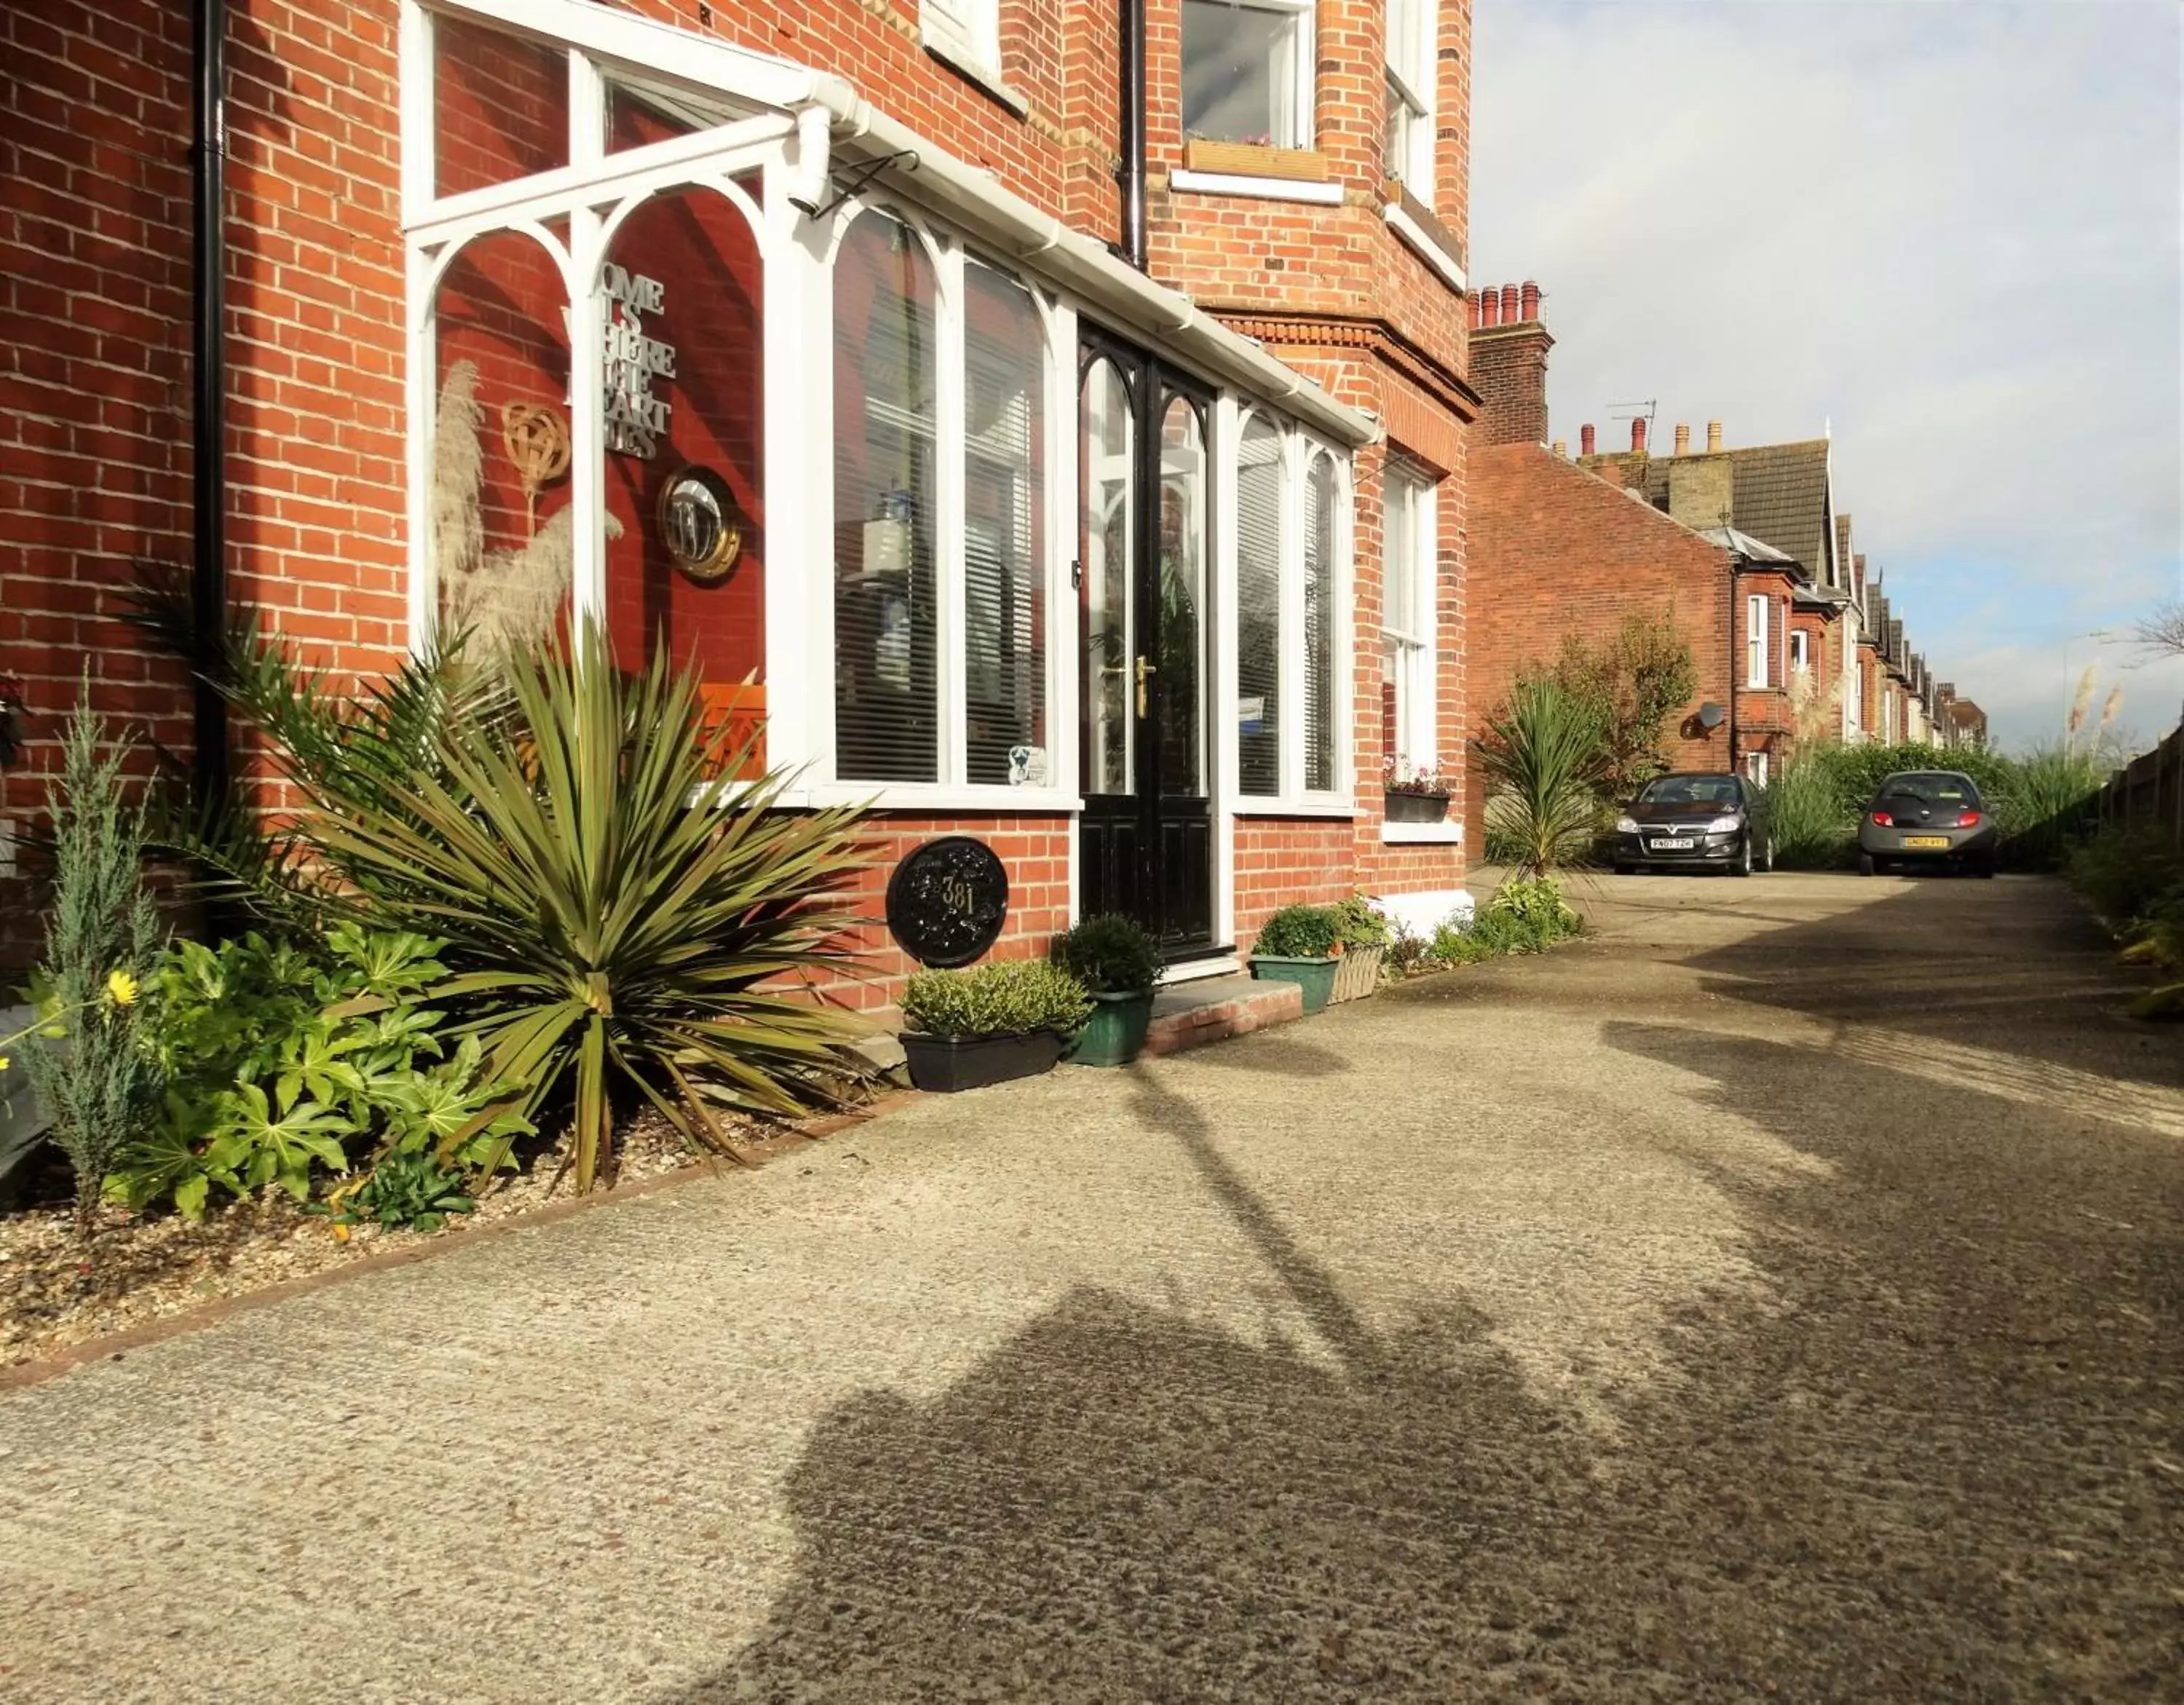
(1115,1033)
(1316,977)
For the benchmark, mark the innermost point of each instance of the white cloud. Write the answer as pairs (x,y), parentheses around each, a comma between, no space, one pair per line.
(1952,229)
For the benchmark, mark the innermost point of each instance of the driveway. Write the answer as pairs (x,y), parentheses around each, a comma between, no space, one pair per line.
(1777,1296)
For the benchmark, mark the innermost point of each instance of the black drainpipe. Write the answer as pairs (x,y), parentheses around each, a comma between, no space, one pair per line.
(1736,657)
(209,508)
(1133,133)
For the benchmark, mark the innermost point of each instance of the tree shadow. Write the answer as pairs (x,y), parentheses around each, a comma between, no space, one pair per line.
(1908,1462)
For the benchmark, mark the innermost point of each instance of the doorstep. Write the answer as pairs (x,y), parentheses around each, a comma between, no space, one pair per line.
(1211,1009)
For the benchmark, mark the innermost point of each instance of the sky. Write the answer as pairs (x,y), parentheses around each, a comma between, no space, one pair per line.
(1948,232)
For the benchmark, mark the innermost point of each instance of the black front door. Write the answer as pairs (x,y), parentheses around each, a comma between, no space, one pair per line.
(1145,567)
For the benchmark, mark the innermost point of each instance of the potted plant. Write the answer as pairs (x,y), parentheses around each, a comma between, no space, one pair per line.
(1299,944)
(964,1030)
(1413,794)
(1365,938)
(1118,962)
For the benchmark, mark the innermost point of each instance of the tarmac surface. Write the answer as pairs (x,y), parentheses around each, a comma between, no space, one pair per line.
(1778,1295)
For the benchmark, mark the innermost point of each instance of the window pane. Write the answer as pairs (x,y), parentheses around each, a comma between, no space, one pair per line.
(1239,73)
(502,532)
(500,106)
(1258,608)
(1110,448)
(1004,531)
(887,718)
(1320,617)
(640,113)
(1180,727)
(683,412)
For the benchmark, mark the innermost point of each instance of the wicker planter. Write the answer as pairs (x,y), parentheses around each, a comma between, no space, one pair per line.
(1115,1033)
(1358,973)
(948,1063)
(1316,977)
(1416,808)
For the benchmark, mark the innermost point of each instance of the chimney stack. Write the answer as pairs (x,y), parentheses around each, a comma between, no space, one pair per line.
(1587,440)
(1490,306)
(1508,365)
(1713,437)
(1683,438)
(1528,298)
(1638,436)
(1511,300)
(1561,448)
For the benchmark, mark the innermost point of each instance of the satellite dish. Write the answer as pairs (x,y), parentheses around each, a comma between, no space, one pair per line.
(1709,715)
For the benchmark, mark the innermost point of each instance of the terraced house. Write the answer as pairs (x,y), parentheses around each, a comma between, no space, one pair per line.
(1044,419)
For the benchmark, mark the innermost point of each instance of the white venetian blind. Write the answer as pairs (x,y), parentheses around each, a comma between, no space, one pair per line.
(1004,520)
(1320,618)
(1258,609)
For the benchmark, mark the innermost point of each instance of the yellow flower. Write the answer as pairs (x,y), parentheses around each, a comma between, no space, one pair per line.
(4,1063)
(121,988)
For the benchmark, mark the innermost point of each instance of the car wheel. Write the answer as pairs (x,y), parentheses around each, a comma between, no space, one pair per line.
(1866,867)
(1985,868)
(1743,865)
(1625,870)
(1768,864)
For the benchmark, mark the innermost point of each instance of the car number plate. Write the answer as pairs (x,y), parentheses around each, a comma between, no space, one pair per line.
(1683,846)
(1925,840)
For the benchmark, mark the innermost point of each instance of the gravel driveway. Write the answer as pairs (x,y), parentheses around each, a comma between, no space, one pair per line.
(1778,1296)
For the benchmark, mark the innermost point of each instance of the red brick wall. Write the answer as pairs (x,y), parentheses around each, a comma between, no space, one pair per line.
(1554,551)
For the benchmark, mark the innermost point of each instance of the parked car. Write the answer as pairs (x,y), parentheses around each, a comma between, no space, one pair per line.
(1697,819)
(1931,817)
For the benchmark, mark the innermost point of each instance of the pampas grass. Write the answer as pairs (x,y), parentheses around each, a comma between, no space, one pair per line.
(458,474)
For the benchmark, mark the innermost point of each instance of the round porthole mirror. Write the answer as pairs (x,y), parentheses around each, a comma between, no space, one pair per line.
(697,524)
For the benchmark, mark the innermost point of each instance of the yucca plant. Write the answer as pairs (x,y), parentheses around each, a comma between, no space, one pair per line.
(615,905)
(1547,762)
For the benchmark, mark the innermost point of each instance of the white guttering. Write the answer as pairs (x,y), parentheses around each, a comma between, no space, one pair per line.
(969,197)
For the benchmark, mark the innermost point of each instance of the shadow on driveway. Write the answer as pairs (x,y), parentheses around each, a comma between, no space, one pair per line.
(1932,1455)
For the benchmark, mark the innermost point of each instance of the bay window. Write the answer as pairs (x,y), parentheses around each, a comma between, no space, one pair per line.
(1413,26)
(1408,734)
(1289,617)
(1247,71)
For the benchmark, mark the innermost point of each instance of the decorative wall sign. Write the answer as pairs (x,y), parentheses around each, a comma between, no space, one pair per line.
(947,901)
(696,522)
(636,420)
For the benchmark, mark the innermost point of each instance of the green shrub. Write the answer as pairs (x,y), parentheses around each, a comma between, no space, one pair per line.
(1108,955)
(1547,762)
(1010,998)
(1300,932)
(1362,924)
(405,1188)
(614,899)
(2126,875)
(91,1061)
(1811,828)
(283,1058)
(1525,916)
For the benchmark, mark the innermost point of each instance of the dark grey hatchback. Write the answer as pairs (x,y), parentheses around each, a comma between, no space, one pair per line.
(1931,817)
(1703,819)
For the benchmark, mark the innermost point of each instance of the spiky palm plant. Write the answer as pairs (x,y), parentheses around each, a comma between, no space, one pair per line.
(614,903)
(1547,762)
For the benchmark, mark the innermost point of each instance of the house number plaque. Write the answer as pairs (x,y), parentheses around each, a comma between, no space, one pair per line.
(947,901)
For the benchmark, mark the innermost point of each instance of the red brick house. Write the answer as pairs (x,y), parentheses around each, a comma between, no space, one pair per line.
(1719,540)
(1050,421)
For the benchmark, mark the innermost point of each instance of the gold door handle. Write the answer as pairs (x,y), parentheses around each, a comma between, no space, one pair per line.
(1144,669)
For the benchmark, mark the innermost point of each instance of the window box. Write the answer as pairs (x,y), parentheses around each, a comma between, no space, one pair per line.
(1254,159)
(1416,808)
(1315,976)
(946,1064)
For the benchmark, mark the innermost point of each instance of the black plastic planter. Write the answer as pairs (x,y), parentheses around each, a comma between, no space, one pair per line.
(1416,808)
(946,1064)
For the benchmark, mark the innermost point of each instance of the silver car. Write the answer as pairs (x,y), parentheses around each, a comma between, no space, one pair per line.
(1927,817)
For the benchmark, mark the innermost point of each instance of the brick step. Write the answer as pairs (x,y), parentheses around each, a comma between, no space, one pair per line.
(1190,1015)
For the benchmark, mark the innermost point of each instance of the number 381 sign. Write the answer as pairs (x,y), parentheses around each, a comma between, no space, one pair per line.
(947,901)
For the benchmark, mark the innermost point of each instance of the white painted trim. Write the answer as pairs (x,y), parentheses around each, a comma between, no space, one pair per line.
(414,104)
(1421,834)
(950,424)
(1415,239)
(1261,188)
(1329,805)
(1227,437)
(1198,970)
(936,799)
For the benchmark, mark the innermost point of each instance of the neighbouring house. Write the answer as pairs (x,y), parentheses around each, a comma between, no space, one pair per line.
(1563,549)
(1048,422)
(1958,721)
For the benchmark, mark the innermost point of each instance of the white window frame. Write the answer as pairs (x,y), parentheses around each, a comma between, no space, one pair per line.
(1755,768)
(1801,650)
(1417,726)
(1757,619)
(1304,82)
(1298,449)
(967,34)
(1412,59)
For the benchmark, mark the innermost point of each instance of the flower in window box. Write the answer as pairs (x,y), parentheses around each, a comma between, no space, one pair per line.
(1399,775)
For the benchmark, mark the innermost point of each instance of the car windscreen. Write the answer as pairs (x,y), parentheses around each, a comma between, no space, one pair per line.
(1689,790)
(1931,790)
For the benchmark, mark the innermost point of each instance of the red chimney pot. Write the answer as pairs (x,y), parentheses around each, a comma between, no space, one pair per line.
(1511,301)
(1490,306)
(1529,298)
(1585,440)
(1638,436)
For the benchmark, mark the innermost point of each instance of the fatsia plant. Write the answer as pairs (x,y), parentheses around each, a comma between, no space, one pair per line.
(614,903)
(1546,763)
